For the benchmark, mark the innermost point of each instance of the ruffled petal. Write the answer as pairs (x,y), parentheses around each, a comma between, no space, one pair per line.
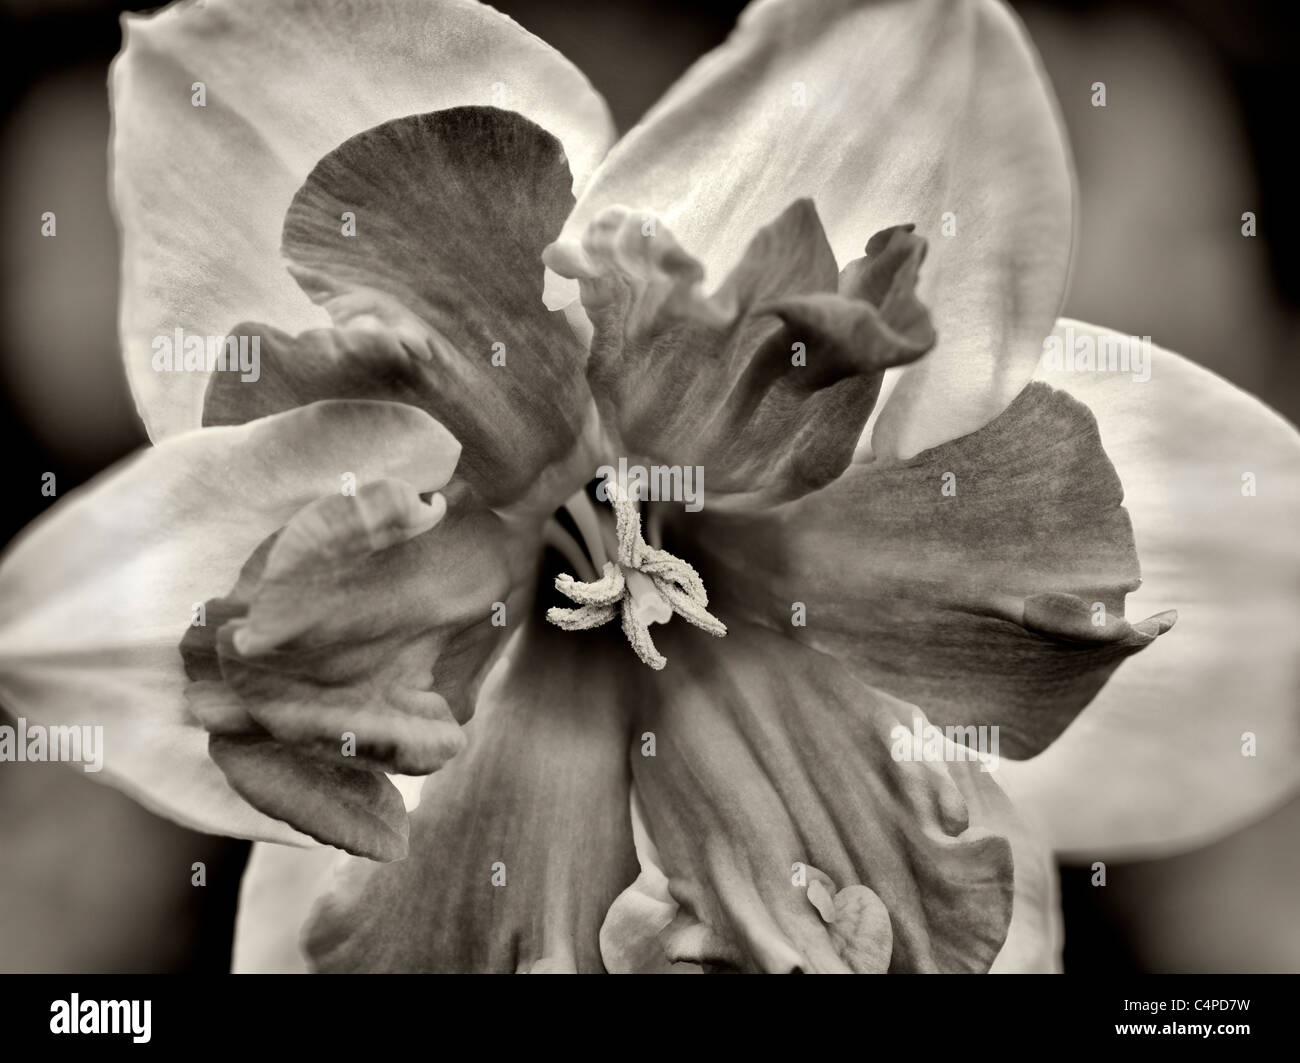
(983,580)
(1161,760)
(793,835)
(201,191)
(519,845)
(767,383)
(633,939)
(352,645)
(94,597)
(437,297)
(934,112)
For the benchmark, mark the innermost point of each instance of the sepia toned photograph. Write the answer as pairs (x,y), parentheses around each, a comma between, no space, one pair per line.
(806,486)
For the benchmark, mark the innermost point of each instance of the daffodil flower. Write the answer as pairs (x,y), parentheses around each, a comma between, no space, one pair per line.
(822,269)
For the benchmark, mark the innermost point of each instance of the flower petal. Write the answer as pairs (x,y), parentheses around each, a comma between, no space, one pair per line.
(1037,931)
(437,297)
(792,838)
(768,382)
(519,845)
(201,191)
(632,941)
(95,596)
(982,580)
(342,628)
(278,888)
(630,935)
(353,644)
(881,113)
(360,812)
(1157,762)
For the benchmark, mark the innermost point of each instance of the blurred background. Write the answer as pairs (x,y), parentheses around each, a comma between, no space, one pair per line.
(1197,130)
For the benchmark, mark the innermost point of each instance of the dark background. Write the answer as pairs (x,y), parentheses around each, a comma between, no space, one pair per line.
(1198,128)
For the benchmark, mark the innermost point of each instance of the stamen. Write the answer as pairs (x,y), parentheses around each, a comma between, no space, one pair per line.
(646,586)
(638,634)
(605,591)
(690,609)
(654,528)
(554,536)
(630,543)
(664,566)
(584,516)
(588,616)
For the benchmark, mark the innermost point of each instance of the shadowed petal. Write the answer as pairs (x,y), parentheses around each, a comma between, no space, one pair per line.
(353,644)
(95,596)
(437,297)
(791,837)
(983,580)
(767,383)
(929,111)
(519,845)
(1156,763)
(632,939)
(343,632)
(201,192)
(360,812)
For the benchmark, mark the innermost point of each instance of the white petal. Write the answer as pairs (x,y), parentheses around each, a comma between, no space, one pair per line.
(279,886)
(629,937)
(1037,931)
(201,192)
(1156,762)
(882,113)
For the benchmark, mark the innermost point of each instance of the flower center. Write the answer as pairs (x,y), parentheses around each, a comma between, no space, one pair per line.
(642,585)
